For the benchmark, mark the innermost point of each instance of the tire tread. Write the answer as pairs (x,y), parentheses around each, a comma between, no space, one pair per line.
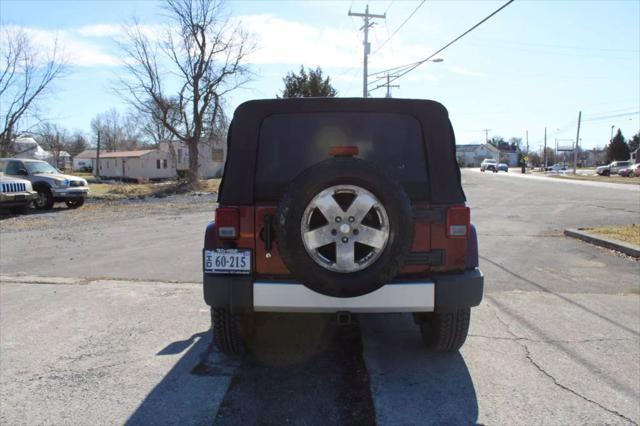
(226,331)
(446,332)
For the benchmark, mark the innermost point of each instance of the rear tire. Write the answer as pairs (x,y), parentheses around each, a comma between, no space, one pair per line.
(446,332)
(231,331)
(44,200)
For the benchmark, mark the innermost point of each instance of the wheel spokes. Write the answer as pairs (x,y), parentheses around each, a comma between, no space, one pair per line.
(371,237)
(360,207)
(345,259)
(328,206)
(319,237)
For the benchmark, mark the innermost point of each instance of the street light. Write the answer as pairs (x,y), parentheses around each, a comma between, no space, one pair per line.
(611,138)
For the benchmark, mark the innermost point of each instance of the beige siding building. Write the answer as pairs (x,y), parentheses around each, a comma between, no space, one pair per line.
(143,164)
(211,157)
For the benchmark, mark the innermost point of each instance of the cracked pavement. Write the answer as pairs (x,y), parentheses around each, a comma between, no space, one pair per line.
(555,341)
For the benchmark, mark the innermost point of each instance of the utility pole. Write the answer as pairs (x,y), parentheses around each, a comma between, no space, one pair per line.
(389,85)
(575,147)
(545,148)
(96,170)
(527,142)
(367,46)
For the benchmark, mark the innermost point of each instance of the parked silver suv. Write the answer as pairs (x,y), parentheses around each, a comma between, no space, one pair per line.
(613,168)
(50,184)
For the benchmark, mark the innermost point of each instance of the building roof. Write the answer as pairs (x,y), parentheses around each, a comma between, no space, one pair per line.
(467,148)
(475,146)
(124,154)
(87,153)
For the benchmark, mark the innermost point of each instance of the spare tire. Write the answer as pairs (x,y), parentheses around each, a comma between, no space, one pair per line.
(344,228)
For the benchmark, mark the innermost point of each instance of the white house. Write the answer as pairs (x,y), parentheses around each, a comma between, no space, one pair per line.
(27,147)
(143,164)
(85,160)
(472,155)
(211,157)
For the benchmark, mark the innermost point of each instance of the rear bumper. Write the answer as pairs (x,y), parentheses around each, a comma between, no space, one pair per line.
(439,293)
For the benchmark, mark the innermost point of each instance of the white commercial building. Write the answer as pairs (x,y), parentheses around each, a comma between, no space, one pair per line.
(472,155)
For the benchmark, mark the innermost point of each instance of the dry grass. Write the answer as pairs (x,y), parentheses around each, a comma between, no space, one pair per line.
(126,190)
(596,178)
(626,233)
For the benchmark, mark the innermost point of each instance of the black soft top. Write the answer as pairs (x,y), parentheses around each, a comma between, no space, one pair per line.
(237,187)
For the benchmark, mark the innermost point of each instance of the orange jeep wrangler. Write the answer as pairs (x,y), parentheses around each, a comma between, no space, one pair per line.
(342,206)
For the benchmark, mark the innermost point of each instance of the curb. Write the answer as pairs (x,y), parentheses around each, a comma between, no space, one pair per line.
(626,248)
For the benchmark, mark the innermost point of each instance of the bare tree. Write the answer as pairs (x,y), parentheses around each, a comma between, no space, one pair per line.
(202,54)
(76,143)
(154,130)
(53,138)
(117,131)
(26,75)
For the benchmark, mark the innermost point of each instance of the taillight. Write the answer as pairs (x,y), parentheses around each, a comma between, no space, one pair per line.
(343,151)
(228,223)
(458,221)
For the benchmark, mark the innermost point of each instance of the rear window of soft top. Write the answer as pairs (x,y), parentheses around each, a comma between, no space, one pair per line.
(291,143)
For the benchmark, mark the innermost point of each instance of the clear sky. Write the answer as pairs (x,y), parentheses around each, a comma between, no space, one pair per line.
(535,64)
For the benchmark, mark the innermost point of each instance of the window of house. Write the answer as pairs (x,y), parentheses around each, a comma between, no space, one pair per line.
(157,163)
(164,164)
(217,155)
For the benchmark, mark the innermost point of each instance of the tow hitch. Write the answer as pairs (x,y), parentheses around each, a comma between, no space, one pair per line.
(343,318)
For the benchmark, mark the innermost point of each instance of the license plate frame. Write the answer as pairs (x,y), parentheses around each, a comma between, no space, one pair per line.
(227,261)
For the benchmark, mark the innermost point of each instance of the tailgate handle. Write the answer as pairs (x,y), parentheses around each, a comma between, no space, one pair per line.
(268,219)
(433,215)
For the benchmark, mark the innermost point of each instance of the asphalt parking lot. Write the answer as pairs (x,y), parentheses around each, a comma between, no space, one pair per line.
(123,338)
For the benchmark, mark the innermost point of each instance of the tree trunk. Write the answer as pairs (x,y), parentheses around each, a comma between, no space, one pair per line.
(192,174)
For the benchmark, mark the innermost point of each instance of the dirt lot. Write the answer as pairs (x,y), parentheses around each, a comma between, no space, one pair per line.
(121,190)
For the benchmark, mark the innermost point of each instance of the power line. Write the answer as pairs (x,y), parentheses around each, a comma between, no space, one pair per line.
(414,65)
(606,117)
(401,25)
(389,7)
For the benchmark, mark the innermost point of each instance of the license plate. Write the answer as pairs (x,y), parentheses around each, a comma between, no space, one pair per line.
(227,261)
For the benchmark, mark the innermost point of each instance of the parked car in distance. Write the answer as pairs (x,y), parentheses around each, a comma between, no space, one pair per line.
(502,167)
(51,185)
(632,171)
(613,168)
(16,194)
(489,164)
(344,226)
(558,167)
